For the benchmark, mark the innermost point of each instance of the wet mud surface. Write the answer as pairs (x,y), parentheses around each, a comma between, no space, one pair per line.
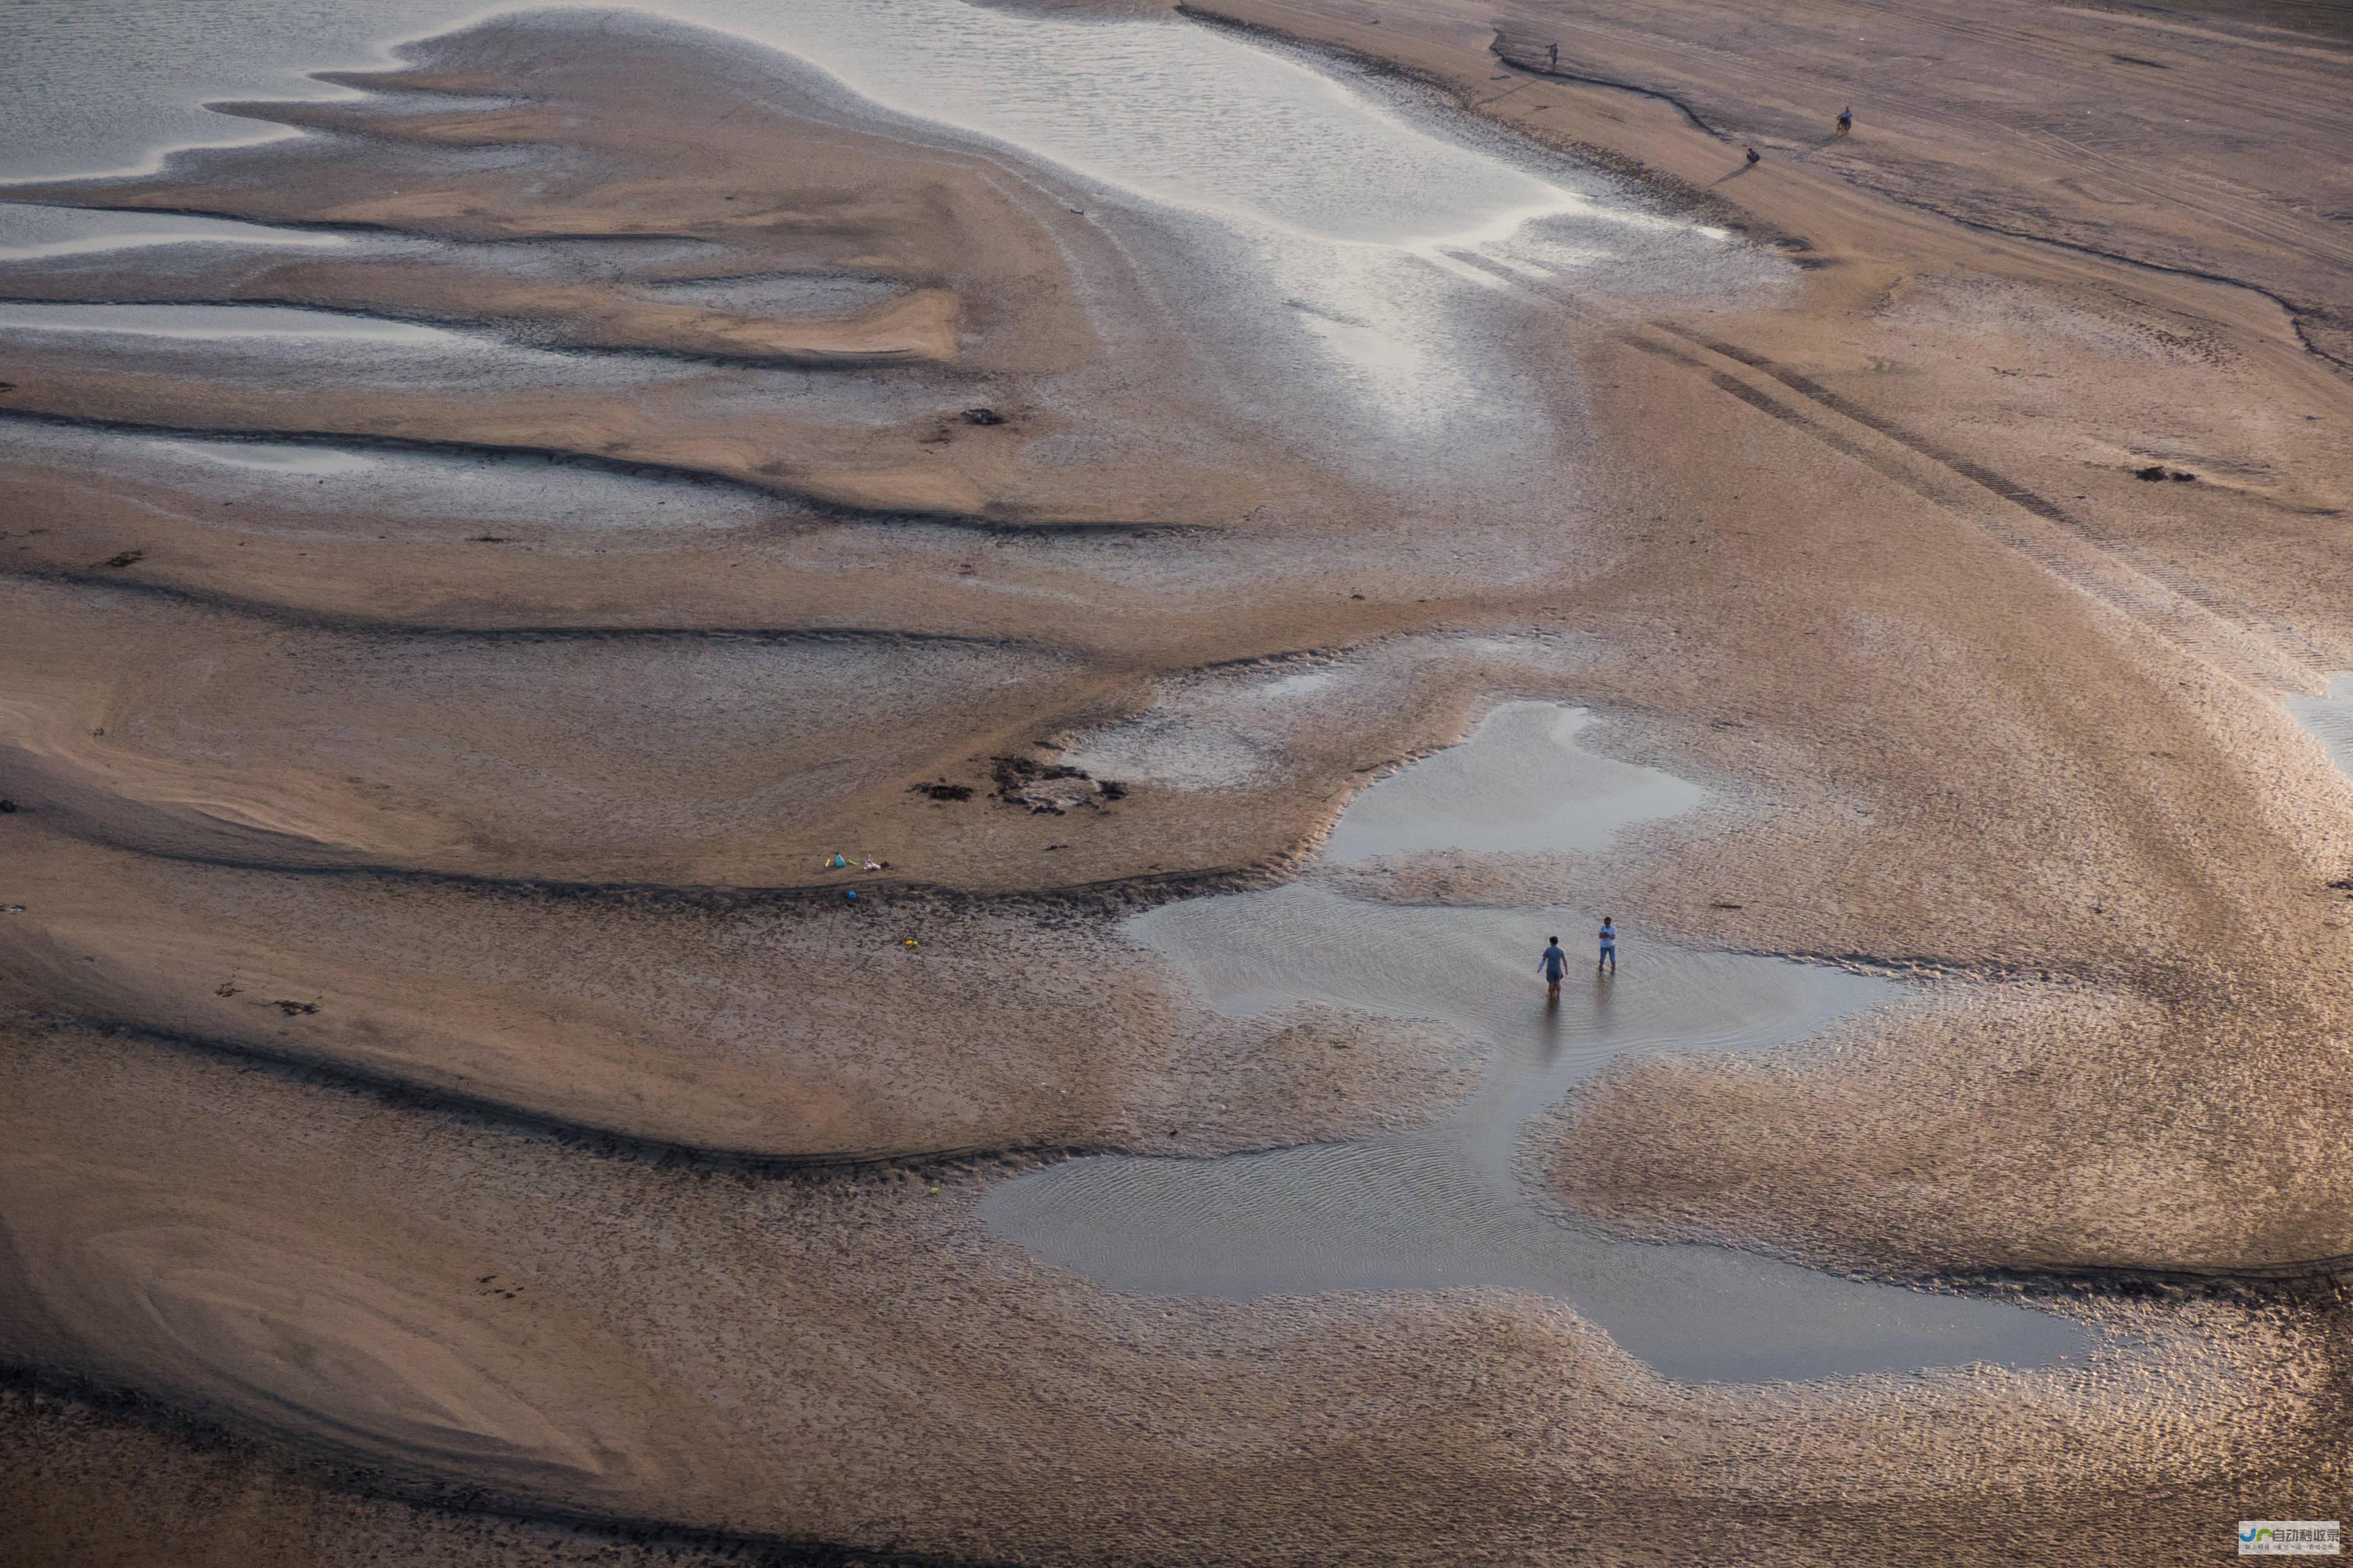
(1441,1207)
(784,786)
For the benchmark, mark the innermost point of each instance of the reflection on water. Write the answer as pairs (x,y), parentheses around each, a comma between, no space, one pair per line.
(274,457)
(320,490)
(1443,1206)
(1169,110)
(1370,227)
(2329,718)
(35,233)
(1520,785)
(1370,232)
(790,294)
(217,322)
(1182,114)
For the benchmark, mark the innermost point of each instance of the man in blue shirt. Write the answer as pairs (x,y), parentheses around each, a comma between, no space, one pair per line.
(1554,964)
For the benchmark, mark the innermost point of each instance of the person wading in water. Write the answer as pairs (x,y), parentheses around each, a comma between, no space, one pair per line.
(1609,946)
(1554,964)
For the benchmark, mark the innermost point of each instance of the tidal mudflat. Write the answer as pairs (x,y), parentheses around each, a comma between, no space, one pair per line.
(782,782)
(1440,1207)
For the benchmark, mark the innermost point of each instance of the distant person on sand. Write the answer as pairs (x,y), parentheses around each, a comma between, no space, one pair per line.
(1556,57)
(1554,964)
(1754,155)
(1609,946)
(1846,120)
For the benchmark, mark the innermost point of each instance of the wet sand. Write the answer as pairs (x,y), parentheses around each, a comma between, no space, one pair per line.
(1441,1207)
(457,1115)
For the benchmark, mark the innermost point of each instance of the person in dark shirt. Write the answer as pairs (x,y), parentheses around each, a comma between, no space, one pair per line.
(1554,963)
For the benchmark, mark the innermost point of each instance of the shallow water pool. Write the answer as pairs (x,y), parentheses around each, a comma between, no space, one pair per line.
(1448,1205)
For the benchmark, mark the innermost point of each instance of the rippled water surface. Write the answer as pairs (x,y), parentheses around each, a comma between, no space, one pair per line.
(1446,1205)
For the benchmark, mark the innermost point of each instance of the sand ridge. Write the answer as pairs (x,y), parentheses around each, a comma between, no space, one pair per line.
(1865,553)
(858,1374)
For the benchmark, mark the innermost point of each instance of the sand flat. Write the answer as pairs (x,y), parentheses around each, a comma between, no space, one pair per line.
(1083,519)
